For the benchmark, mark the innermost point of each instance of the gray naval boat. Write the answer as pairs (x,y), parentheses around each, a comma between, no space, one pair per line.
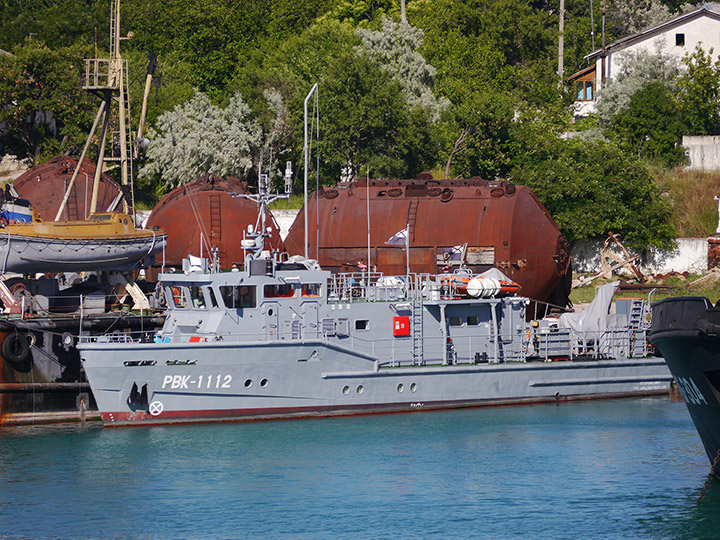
(286,339)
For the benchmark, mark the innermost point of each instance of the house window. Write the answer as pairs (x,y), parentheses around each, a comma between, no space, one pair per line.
(680,40)
(584,90)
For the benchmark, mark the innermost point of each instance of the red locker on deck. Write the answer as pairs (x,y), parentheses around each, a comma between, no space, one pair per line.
(401,326)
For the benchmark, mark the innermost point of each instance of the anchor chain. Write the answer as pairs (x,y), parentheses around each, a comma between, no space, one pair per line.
(712,471)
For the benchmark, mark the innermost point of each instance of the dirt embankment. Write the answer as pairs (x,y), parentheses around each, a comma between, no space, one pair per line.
(11,168)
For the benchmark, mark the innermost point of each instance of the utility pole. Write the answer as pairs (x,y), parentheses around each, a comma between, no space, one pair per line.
(561,41)
(592,26)
(603,54)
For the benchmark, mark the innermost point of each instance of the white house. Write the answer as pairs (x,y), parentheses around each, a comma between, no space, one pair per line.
(678,36)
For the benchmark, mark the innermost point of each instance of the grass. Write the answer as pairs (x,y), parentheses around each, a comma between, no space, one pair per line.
(682,286)
(690,193)
(295,202)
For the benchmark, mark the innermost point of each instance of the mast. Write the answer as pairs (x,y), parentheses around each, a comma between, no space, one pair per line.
(254,243)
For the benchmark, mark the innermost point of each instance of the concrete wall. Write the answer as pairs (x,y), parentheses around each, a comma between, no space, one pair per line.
(689,256)
(704,152)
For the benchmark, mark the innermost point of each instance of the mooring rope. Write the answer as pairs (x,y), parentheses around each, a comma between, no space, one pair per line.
(712,472)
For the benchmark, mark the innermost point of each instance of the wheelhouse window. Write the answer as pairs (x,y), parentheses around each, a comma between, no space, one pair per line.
(197,296)
(311,289)
(283,290)
(177,296)
(472,320)
(456,321)
(234,296)
(211,295)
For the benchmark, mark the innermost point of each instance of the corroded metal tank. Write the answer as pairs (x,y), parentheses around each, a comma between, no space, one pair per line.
(502,225)
(44,186)
(208,211)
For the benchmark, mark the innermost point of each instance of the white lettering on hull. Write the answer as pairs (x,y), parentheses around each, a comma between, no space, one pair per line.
(186,382)
(690,391)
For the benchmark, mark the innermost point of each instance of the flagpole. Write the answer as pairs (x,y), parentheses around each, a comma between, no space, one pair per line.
(305,183)
(407,253)
(367,195)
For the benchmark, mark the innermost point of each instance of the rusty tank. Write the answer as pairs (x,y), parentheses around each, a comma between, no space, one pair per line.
(207,211)
(485,223)
(44,185)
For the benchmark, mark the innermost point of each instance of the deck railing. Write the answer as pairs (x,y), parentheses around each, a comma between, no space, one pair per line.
(527,346)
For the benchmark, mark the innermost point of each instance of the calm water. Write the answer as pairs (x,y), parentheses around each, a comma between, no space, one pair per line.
(608,469)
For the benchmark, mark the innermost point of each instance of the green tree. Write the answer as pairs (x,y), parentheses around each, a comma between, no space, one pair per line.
(366,120)
(637,69)
(199,138)
(626,17)
(699,93)
(650,125)
(57,23)
(357,12)
(369,122)
(44,111)
(215,37)
(592,188)
(494,60)
(395,48)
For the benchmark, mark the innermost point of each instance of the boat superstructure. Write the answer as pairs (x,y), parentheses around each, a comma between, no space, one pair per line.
(283,338)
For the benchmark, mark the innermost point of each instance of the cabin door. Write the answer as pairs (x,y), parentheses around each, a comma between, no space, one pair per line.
(310,320)
(270,318)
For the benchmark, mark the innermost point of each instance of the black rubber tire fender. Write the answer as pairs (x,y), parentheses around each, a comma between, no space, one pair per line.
(16,352)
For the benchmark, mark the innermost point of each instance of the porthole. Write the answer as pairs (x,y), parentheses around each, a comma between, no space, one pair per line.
(264,383)
(400,388)
(346,390)
(270,312)
(413,387)
(360,389)
(248,383)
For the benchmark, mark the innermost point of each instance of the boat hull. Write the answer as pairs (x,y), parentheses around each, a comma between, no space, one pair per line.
(687,333)
(165,383)
(29,254)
